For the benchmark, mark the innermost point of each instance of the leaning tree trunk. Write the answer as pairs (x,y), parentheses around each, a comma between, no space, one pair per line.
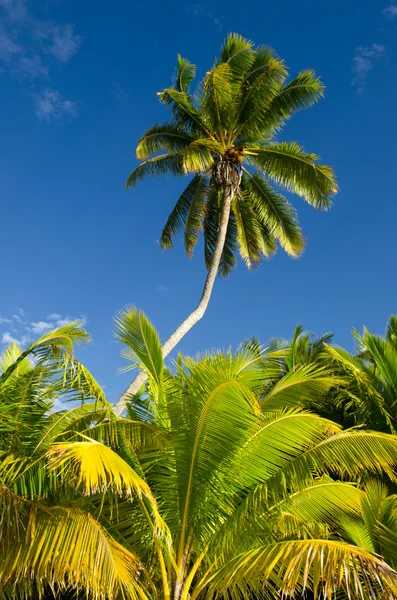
(197,314)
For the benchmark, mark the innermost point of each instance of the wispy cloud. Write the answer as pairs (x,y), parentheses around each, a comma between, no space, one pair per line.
(390,11)
(65,42)
(198,10)
(50,106)
(161,288)
(363,62)
(30,47)
(54,317)
(5,321)
(118,91)
(18,328)
(39,327)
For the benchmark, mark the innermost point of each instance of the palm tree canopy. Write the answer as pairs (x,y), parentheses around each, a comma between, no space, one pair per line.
(226,132)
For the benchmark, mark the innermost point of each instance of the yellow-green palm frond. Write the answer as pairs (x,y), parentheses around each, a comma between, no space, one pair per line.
(64,547)
(300,386)
(135,331)
(51,345)
(95,468)
(293,566)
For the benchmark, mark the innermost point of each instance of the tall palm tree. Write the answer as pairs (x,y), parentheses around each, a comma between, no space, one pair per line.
(205,490)
(225,136)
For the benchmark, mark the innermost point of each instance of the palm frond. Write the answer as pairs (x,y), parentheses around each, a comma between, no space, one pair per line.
(177,219)
(185,74)
(299,172)
(166,137)
(293,566)
(135,330)
(170,162)
(299,93)
(195,215)
(62,547)
(275,213)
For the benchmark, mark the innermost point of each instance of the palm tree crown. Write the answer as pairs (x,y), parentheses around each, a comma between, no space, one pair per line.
(224,134)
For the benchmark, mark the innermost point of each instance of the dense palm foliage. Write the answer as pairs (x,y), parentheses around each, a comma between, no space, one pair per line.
(363,388)
(224,134)
(216,483)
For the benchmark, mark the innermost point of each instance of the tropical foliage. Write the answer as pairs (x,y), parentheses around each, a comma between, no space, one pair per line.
(364,389)
(218,482)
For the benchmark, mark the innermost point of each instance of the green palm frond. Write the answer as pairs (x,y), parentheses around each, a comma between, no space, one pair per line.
(184,113)
(298,172)
(194,192)
(275,213)
(135,331)
(299,93)
(195,215)
(159,165)
(217,99)
(185,74)
(250,235)
(238,53)
(166,137)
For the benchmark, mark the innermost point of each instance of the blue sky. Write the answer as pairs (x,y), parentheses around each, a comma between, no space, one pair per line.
(78,87)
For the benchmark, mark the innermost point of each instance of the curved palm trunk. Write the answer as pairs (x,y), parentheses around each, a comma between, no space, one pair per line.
(199,311)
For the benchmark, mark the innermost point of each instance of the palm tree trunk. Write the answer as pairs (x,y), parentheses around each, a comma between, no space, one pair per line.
(199,311)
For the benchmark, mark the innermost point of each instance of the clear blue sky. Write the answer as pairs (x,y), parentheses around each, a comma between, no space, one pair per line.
(78,87)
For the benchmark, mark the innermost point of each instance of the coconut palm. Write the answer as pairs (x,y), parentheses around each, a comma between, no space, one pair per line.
(224,135)
(205,490)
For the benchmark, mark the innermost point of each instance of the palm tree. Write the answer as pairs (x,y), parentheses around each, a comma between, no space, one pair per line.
(205,490)
(225,136)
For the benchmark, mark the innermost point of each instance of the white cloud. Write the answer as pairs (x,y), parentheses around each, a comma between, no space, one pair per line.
(8,48)
(7,338)
(30,46)
(363,63)
(40,326)
(54,317)
(15,9)
(32,67)
(50,106)
(161,288)
(390,11)
(63,322)
(2,321)
(23,332)
(65,42)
